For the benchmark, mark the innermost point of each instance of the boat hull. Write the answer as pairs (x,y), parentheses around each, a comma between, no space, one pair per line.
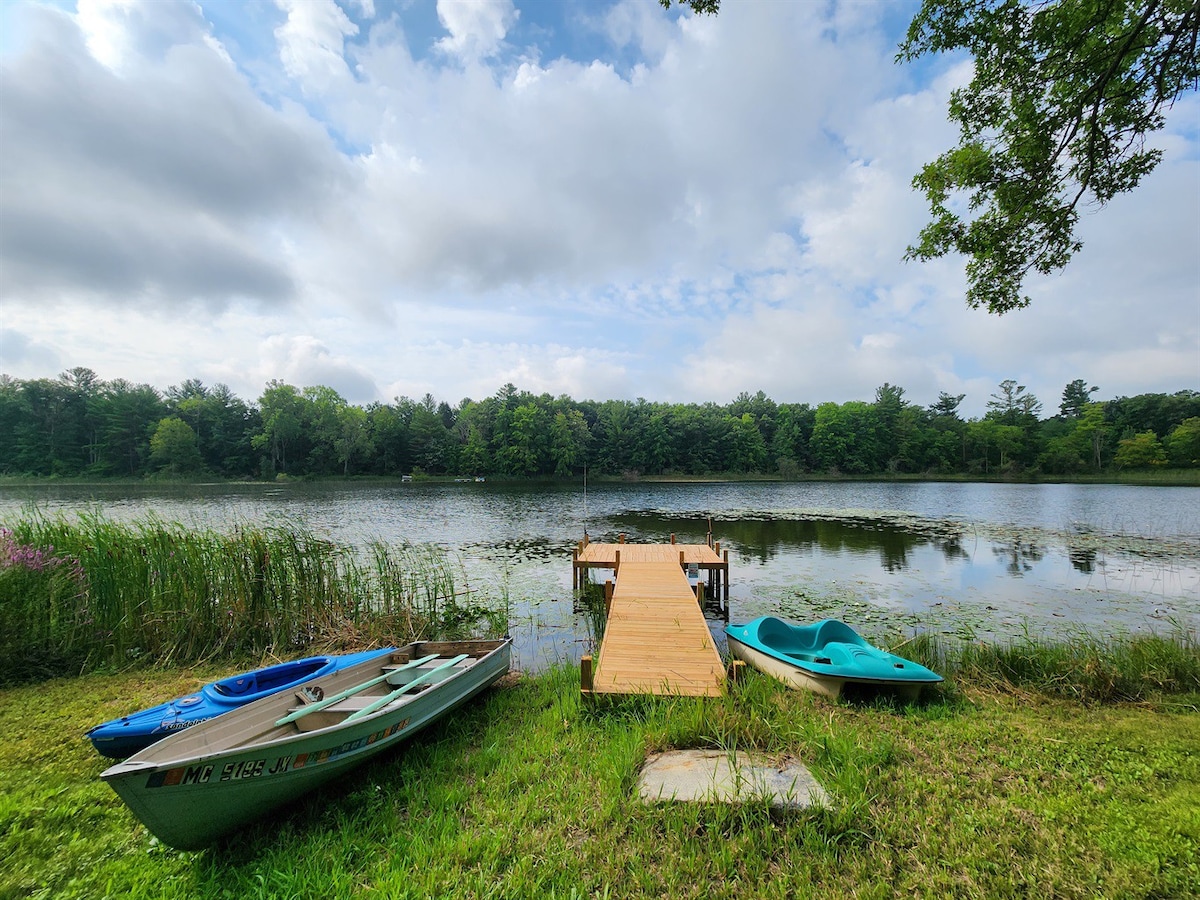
(197,786)
(790,675)
(824,658)
(124,736)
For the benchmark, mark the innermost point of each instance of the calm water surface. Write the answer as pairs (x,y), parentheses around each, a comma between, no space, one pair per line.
(984,560)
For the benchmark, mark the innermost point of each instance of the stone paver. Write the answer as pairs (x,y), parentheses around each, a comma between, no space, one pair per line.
(718,776)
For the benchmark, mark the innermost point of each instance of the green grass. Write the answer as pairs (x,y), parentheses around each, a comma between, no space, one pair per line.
(1089,668)
(529,792)
(91,593)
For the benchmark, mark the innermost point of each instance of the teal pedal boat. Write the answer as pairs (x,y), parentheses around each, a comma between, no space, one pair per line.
(824,657)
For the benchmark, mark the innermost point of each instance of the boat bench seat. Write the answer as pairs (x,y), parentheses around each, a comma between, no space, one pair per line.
(352,704)
(401,675)
(348,705)
(335,714)
(461,664)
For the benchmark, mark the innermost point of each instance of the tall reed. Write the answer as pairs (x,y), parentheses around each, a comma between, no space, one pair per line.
(1089,668)
(149,590)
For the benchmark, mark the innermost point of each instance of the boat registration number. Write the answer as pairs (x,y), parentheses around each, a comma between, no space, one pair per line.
(256,768)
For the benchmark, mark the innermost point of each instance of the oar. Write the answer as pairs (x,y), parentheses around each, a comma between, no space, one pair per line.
(420,679)
(350,692)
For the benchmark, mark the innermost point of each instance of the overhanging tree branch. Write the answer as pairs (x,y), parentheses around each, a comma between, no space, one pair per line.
(1063,97)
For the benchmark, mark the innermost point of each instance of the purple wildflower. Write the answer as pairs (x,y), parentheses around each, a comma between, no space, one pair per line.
(26,556)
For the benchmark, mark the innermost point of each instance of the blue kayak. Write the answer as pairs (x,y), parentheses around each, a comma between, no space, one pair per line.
(127,735)
(823,657)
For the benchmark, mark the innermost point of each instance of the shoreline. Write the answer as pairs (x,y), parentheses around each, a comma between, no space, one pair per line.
(1163,478)
(986,789)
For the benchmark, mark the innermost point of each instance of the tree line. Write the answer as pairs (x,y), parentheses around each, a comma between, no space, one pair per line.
(78,425)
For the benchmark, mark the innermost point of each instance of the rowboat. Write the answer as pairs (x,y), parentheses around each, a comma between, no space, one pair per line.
(824,657)
(118,738)
(203,783)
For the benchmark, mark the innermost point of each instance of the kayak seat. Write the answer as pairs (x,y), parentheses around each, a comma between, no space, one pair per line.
(285,675)
(235,687)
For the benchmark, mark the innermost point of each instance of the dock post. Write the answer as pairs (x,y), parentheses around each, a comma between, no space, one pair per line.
(621,538)
(575,569)
(737,670)
(725,566)
(585,674)
(608,595)
(700,593)
(617,562)
(682,564)
(672,537)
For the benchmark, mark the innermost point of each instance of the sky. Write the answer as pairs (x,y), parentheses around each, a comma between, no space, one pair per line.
(601,199)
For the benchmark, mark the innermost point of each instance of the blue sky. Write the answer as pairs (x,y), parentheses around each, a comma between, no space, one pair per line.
(600,199)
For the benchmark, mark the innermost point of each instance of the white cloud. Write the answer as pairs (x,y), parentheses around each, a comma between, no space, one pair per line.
(122,34)
(477,27)
(691,207)
(102,23)
(312,43)
(20,352)
(162,184)
(303,360)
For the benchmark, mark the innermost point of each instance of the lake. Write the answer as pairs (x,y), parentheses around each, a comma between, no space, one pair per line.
(986,561)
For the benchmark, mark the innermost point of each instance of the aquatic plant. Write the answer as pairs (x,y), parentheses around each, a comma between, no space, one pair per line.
(43,608)
(1087,667)
(152,591)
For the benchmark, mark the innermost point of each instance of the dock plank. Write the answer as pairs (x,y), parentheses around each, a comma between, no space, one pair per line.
(656,639)
(604,555)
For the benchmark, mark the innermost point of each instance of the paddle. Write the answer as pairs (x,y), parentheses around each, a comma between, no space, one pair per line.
(350,692)
(420,679)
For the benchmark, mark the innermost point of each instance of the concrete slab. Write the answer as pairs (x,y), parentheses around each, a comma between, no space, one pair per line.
(719,776)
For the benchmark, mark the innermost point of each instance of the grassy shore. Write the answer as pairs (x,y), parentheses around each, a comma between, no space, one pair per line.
(992,787)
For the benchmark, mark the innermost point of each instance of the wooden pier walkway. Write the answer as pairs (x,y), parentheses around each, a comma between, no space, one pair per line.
(656,640)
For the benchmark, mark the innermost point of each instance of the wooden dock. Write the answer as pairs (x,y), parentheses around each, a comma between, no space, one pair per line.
(656,640)
(705,558)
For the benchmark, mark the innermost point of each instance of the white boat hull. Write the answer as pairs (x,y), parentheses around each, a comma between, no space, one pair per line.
(795,677)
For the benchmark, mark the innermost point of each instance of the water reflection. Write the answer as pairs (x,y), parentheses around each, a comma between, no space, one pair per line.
(1082,558)
(968,559)
(1018,557)
(762,540)
(893,574)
